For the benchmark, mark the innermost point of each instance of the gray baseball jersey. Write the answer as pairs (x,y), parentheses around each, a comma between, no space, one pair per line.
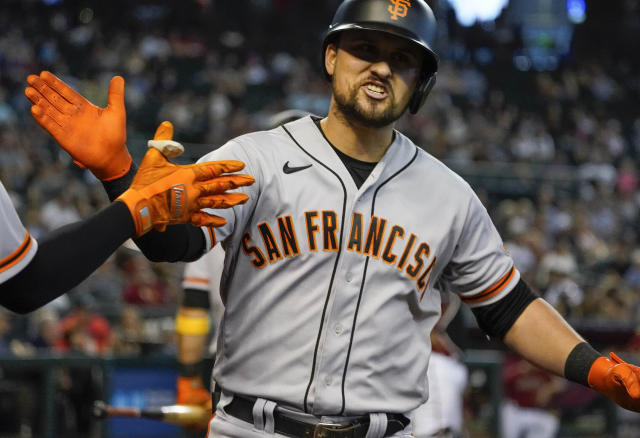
(329,289)
(17,246)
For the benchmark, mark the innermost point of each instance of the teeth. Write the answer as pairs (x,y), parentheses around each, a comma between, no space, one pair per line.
(375,88)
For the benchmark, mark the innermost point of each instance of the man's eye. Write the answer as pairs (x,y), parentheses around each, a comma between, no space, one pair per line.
(403,61)
(366,51)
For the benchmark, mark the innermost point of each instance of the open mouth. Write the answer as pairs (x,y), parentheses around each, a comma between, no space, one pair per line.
(375,91)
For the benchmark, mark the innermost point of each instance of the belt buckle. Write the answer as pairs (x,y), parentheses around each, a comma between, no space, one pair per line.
(327,430)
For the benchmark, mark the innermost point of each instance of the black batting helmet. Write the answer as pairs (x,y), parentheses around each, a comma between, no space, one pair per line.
(409,19)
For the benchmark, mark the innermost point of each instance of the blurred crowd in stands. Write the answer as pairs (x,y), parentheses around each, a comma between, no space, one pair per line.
(554,155)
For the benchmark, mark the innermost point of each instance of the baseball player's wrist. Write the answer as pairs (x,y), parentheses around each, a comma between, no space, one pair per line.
(116,167)
(116,187)
(190,370)
(140,210)
(580,363)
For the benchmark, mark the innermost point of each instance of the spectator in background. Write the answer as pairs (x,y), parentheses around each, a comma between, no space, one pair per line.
(528,394)
(632,273)
(46,334)
(5,332)
(562,292)
(577,101)
(142,286)
(84,331)
(59,211)
(129,332)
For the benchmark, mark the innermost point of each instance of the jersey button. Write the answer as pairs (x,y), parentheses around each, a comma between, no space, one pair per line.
(339,328)
(328,380)
(349,277)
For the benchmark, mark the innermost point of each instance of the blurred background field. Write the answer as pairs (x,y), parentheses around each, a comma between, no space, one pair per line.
(536,106)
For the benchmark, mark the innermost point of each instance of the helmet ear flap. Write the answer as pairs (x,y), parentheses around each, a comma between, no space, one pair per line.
(423,88)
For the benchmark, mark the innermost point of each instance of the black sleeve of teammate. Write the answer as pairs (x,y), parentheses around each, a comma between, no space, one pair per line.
(178,243)
(496,319)
(67,256)
(196,298)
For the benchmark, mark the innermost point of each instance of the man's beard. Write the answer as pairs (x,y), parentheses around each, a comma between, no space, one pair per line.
(348,104)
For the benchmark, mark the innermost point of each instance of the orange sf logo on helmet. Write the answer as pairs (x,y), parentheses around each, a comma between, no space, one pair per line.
(398,8)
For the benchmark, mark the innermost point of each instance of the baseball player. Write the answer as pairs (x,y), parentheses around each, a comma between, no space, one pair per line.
(161,193)
(331,266)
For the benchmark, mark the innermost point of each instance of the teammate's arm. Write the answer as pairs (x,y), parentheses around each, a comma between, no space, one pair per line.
(192,330)
(200,299)
(160,194)
(64,258)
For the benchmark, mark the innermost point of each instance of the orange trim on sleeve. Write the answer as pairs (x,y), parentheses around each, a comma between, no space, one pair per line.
(195,280)
(492,291)
(18,254)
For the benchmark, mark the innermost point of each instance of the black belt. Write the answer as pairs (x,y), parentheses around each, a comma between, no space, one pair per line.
(242,408)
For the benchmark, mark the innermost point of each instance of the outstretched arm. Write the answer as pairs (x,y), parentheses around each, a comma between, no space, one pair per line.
(545,339)
(542,336)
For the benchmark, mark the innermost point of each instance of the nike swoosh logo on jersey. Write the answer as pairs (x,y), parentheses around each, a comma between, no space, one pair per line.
(287,169)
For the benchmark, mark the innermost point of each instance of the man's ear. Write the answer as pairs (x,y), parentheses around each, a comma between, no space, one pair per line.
(330,55)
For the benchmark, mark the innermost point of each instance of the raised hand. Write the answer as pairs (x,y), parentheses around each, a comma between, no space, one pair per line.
(94,137)
(163,193)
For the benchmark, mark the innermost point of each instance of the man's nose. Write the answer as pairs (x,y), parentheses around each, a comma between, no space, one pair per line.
(382,69)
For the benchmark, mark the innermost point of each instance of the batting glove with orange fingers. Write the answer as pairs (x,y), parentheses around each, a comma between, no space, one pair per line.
(163,193)
(618,380)
(94,137)
(191,391)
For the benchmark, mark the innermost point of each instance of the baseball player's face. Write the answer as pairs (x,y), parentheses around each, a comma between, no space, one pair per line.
(373,74)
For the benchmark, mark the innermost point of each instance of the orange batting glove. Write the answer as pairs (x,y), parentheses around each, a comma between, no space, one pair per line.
(191,391)
(163,193)
(618,380)
(94,137)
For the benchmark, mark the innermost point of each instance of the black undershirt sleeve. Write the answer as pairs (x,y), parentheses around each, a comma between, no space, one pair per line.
(496,319)
(67,256)
(196,298)
(184,242)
